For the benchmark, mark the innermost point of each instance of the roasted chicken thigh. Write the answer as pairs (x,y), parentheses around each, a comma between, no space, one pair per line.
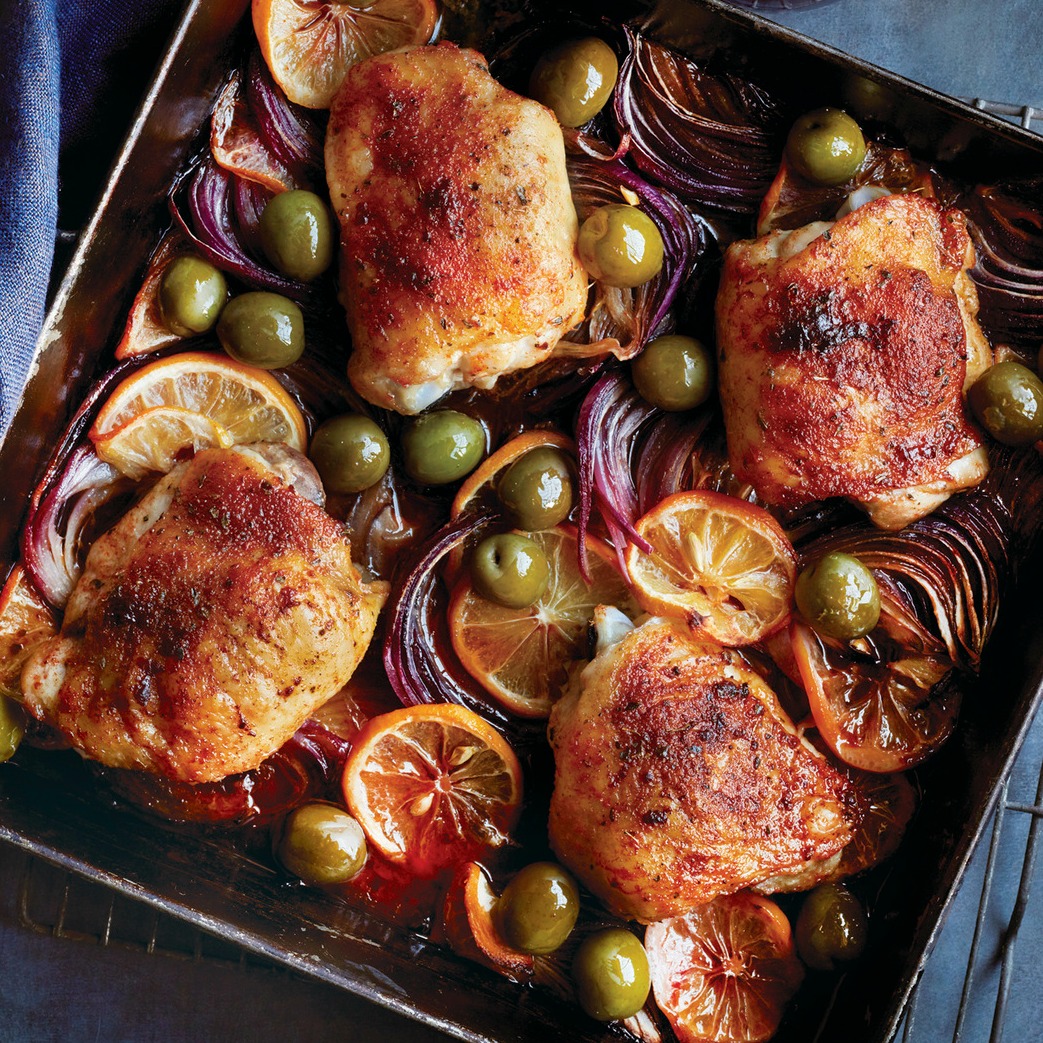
(209,622)
(678,778)
(458,232)
(845,350)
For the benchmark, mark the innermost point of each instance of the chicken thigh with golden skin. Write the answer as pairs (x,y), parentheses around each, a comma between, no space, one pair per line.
(845,350)
(678,777)
(458,232)
(209,622)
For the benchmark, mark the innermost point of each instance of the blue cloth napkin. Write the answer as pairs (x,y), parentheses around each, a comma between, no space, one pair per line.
(66,62)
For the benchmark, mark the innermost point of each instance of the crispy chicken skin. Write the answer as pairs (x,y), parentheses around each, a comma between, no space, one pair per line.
(209,622)
(845,350)
(458,232)
(678,778)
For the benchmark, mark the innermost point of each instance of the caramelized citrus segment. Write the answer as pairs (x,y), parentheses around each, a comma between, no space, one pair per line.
(236,144)
(432,786)
(881,703)
(239,403)
(725,971)
(469,926)
(309,45)
(152,440)
(25,621)
(723,565)
(521,656)
(145,330)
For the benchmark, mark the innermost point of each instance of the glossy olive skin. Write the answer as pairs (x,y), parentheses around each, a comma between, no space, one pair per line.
(610,970)
(536,489)
(538,908)
(832,926)
(192,293)
(510,569)
(297,234)
(575,79)
(620,245)
(12,727)
(838,596)
(322,844)
(442,447)
(350,452)
(262,329)
(826,146)
(1007,399)
(674,373)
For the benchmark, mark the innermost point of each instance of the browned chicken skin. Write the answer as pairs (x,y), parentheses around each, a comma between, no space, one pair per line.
(678,778)
(845,350)
(209,622)
(458,230)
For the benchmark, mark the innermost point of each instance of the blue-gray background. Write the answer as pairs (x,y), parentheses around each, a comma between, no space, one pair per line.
(59,989)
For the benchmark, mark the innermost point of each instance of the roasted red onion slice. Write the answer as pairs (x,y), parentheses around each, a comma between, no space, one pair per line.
(293,135)
(207,217)
(52,542)
(414,658)
(950,568)
(1006,224)
(710,137)
(631,317)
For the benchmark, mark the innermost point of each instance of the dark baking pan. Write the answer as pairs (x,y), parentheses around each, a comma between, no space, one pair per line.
(50,806)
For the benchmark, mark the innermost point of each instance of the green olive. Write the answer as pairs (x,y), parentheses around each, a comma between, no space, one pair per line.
(826,146)
(868,98)
(1007,399)
(838,596)
(673,373)
(322,844)
(350,453)
(262,329)
(510,569)
(538,908)
(537,489)
(192,293)
(831,926)
(12,727)
(442,447)
(620,245)
(610,970)
(575,79)
(297,234)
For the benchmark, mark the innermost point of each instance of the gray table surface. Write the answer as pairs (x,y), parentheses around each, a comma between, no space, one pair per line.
(61,988)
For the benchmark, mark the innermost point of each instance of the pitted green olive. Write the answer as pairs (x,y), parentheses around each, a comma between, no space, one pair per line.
(620,245)
(826,146)
(192,293)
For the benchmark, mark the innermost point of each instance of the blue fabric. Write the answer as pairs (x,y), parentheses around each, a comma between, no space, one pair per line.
(70,78)
(29,135)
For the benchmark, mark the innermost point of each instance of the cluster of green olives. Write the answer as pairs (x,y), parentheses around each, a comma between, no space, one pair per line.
(536,492)
(321,844)
(537,913)
(826,146)
(259,328)
(1007,399)
(839,596)
(674,373)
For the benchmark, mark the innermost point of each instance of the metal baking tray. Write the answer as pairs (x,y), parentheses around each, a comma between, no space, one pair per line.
(49,804)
